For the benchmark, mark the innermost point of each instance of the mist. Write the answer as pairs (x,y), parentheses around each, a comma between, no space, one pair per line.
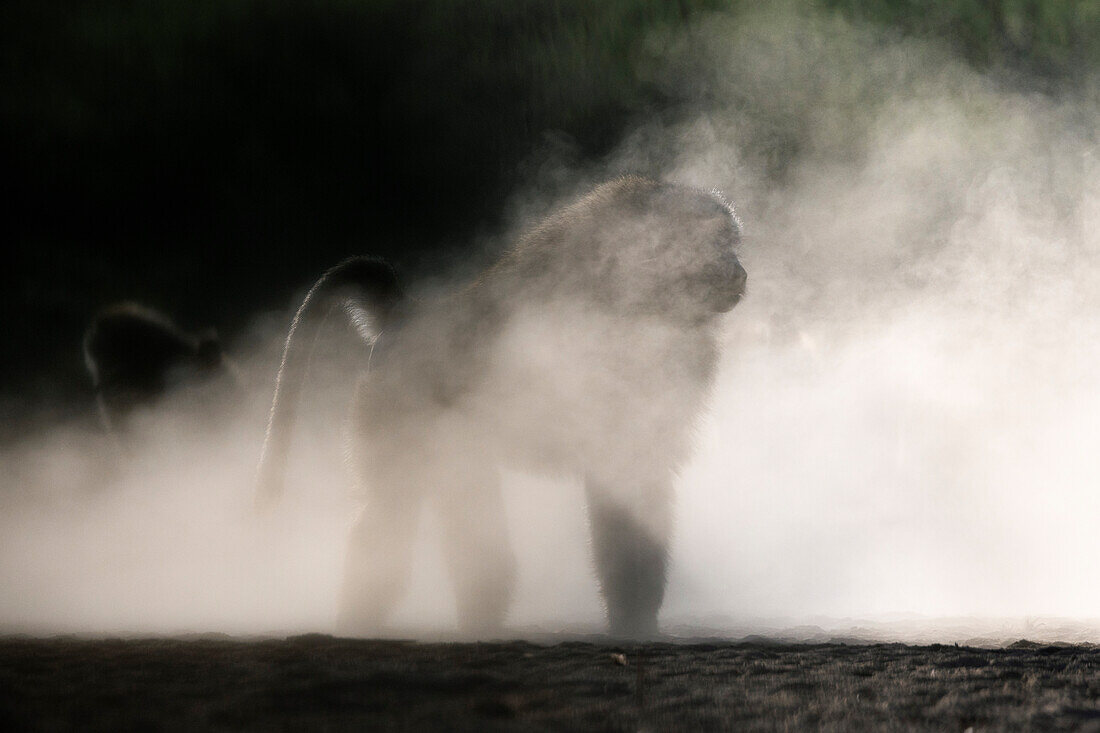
(908,414)
(904,425)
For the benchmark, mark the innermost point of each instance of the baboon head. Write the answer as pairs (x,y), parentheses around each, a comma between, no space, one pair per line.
(644,247)
(690,240)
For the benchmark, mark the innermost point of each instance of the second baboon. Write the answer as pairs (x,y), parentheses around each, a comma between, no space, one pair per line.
(135,355)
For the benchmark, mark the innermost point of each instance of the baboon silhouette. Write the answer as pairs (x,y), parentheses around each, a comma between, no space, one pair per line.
(136,355)
(588,350)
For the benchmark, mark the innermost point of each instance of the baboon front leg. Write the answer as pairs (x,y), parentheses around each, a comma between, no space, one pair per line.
(379,560)
(479,554)
(630,529)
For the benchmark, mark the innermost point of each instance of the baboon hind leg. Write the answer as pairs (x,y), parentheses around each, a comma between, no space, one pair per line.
(630,528)
(379,559)
(479,553)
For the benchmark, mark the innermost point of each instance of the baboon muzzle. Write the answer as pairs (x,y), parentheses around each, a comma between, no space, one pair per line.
(725,284)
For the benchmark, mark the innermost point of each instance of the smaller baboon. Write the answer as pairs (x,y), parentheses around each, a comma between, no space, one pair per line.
(136,355)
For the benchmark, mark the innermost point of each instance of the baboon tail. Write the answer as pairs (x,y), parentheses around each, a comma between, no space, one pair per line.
(363,285)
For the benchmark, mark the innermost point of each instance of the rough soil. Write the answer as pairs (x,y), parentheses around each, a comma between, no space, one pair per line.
(318,682)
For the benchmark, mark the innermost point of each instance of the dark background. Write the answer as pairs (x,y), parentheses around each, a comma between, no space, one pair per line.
(211,157)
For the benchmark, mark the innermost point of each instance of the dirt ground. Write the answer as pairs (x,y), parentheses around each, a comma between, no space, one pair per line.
(318,682)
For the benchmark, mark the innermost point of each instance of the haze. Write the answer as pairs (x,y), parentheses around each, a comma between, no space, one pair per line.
(905,420)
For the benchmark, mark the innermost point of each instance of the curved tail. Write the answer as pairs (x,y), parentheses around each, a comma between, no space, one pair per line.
(360,284)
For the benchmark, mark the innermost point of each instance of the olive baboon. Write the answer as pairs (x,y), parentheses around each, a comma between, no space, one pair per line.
(587,351)
(135,355)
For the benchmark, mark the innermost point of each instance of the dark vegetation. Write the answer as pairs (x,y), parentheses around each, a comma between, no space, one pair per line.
(317,682)
(209,157)
(1058,40)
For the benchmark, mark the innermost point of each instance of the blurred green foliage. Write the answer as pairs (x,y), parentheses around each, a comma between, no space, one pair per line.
(1054,38)
(211,156)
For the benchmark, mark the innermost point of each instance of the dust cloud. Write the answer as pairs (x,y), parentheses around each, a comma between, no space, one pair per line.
(905,423)
(908,414)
